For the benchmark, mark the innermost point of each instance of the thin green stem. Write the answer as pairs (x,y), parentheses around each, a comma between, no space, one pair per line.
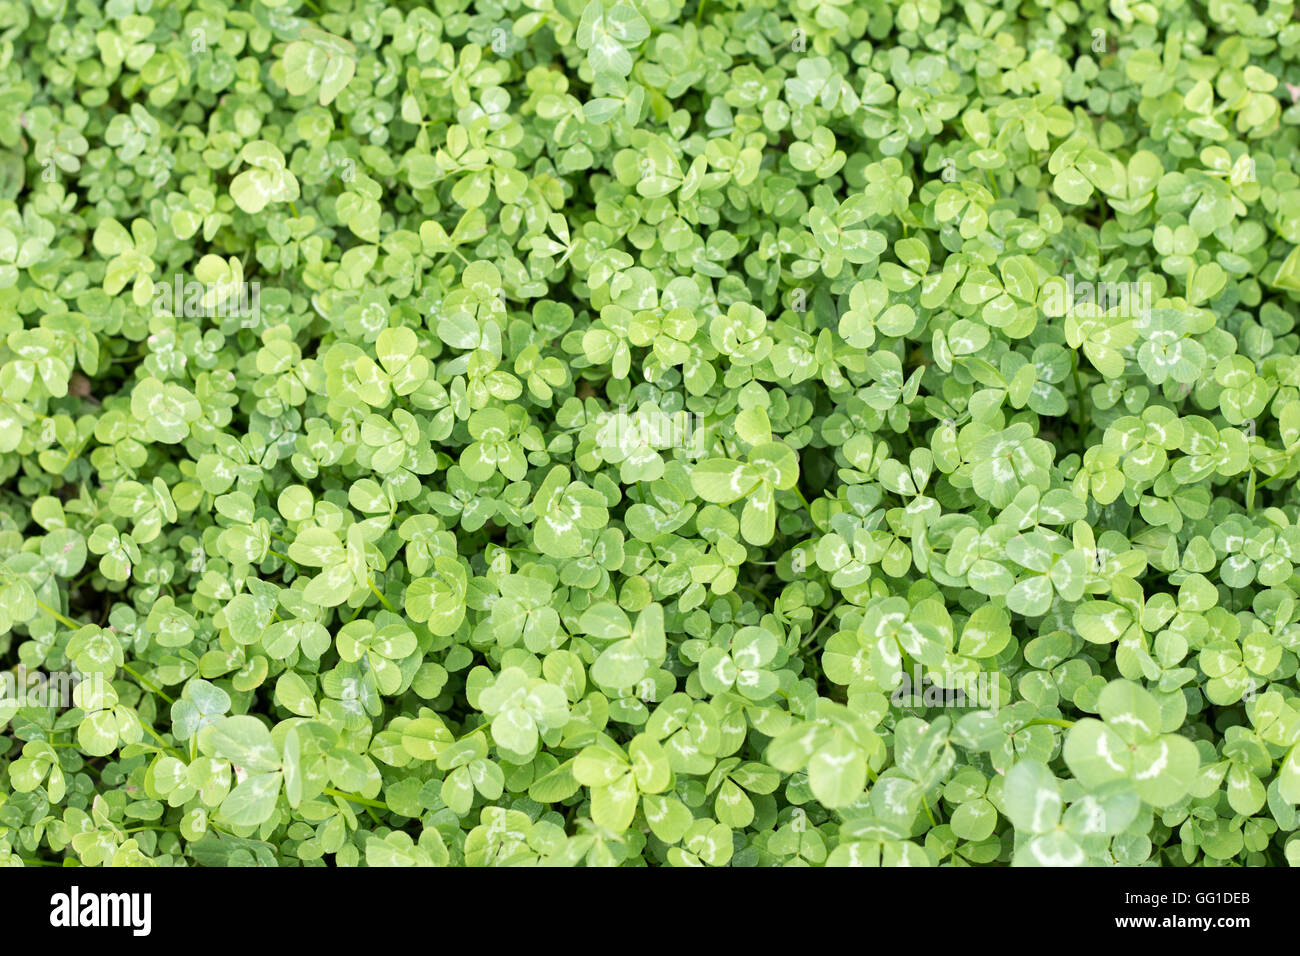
(71,455)
(826,617)
(146,683)
(380,594)
(1267,480)
(806,506)
(1081,419)
(167,748)
(354,798)
(1047,721)
(66,622)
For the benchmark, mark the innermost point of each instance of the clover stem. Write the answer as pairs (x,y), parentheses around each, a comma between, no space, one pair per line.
(806,507)
(1082,418)
(826,617)
(926,803)
(354,798)
(699,11)
(379,594)
(147,684)
(167,748)
(76,450)
(66,622)
(1048,721)
(313,6)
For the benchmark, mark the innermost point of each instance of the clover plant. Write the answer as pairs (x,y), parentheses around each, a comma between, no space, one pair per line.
(649,433)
